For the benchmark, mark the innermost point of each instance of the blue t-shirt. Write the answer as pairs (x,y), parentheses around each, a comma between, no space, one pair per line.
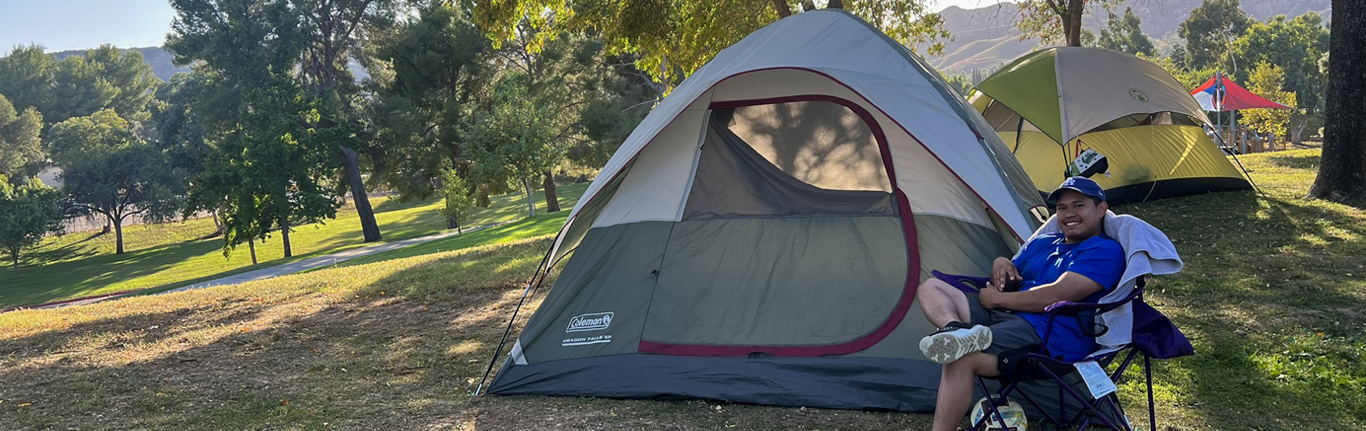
(1046,258)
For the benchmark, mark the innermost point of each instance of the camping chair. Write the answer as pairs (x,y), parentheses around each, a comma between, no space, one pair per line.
(1154,336)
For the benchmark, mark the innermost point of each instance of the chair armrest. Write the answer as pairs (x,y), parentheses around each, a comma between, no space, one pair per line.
(965,283)
(1069,308)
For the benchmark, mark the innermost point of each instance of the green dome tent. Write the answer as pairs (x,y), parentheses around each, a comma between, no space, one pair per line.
(760,235)
(1052,105)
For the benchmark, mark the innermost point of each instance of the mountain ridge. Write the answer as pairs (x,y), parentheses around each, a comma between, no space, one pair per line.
(986,37)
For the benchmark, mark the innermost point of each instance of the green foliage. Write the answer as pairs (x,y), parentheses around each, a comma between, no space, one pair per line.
(1266,81)
(27,213)
(1209,29)
(27,77)
(674,38)
(270,165)
(108,170)
(1295,45)
(457,196)
(605,123)
(1122,33)
(1187,76)
(960,83)
(514,141)
(1056,21)
(427,75)
(19,138)
(80,85)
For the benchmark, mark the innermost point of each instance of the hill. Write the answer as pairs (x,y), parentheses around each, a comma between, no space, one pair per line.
(155,56)
(986,37)
(163,64)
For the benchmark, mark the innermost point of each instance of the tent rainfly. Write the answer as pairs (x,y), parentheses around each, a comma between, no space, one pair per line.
(760,235)
(1052,105)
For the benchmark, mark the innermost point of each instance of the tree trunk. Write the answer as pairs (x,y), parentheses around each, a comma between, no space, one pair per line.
(552,201)
(284,234)
(835,4)
(1071,22)
(251,244)
(118,234)
(1297,125)
(530,198)
(781,7)
(367,215)
(15,254)
(219,227)
(1342,169)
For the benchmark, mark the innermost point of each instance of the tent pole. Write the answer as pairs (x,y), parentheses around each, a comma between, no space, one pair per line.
(1219,106)
(536,281)
(1244,169)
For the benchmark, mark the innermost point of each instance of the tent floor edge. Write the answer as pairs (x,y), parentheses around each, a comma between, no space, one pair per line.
(837,382)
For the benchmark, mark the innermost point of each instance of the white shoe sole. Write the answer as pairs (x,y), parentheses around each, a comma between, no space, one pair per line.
(949,346)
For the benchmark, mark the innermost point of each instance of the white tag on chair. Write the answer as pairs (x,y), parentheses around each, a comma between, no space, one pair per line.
(1097,381)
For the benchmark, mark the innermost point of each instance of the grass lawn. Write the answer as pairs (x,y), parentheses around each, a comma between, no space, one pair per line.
(168,256)
(1272,297)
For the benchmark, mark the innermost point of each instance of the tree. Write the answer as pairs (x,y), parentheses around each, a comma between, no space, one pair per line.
(27,77)
(1045,18)
(458,198)
(1267,81)
(268,169)
(1210,29)
(333,31)
(181,131)
(1342,170)
(108,170)
(426,76)
(27,213)
(674,38)
(1122,33)
(513,142)
(1295,45)
(19,138)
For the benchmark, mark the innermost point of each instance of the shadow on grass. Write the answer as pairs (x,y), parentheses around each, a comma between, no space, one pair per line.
(1268,300)
(398,353)
(85,277)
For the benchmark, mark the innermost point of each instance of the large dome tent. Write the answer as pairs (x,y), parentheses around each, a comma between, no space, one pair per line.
(1051,105)
(760,235)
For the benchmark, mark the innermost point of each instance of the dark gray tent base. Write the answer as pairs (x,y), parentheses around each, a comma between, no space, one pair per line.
(842,382)
(1169,189)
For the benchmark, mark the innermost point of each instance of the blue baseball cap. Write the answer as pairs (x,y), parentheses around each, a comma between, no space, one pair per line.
(1082,185)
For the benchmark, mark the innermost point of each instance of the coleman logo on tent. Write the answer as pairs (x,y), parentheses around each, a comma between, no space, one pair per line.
(1138,95)
(590,322)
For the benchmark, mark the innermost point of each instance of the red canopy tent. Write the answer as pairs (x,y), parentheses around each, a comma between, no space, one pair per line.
(1235,97)
(1222,94)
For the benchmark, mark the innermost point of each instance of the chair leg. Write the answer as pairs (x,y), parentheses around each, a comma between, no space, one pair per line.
(1152,412)
(994,402)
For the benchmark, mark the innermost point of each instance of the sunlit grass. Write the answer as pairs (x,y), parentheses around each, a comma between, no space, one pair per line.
(178,254)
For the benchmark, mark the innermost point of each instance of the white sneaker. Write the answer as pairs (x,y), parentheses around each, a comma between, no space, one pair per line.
(950,344)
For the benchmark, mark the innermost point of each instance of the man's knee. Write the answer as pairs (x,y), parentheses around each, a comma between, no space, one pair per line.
(973,364)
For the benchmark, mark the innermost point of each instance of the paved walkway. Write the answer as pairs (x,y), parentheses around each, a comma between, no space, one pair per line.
(286,269)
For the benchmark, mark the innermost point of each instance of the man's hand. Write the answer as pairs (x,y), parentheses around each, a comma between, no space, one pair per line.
(1004,275)
(990,296)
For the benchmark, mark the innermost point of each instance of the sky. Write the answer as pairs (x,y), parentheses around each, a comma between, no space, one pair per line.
(61,25)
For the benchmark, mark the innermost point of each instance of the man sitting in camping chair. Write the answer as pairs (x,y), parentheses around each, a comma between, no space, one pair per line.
(1007,317)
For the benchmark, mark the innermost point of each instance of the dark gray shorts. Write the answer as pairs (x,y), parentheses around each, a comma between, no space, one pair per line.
(1009,331)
